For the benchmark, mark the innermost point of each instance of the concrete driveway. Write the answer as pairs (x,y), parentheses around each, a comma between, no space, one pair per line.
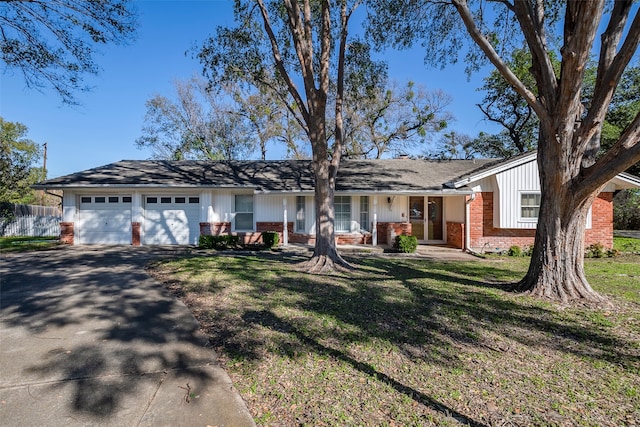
(87,338)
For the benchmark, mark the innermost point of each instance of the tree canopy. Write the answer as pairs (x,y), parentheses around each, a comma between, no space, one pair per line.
(195,124)
(18,163)
(393,118)
(52,43)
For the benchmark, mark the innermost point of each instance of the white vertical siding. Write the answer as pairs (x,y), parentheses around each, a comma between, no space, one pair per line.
(396,211)
(512,183)
(222,205)
(268,207)
(69,206)
(137,211)
(206,206)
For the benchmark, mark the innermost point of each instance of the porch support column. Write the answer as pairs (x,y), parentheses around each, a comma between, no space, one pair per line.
(467,222)
(285,228)
(374,231)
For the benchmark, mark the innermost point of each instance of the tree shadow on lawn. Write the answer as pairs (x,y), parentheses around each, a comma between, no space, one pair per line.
(479,306)
(423,308)
(269,320)
(425,311)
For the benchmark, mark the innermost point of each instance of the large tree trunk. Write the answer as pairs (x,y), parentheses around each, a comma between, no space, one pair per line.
(325,257)
(556,271)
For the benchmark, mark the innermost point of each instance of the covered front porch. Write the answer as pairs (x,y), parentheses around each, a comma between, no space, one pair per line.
(437,218)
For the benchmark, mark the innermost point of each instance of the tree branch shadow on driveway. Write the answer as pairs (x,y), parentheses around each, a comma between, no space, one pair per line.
(92,320)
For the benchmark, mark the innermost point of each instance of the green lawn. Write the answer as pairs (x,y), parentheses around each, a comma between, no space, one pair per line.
(403,342)
(21,244)
(627,244)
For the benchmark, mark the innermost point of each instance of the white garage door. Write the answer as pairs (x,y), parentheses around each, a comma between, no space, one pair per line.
(171,220)
(104,219)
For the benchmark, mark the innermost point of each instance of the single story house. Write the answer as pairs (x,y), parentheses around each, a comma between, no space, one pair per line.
(483,204)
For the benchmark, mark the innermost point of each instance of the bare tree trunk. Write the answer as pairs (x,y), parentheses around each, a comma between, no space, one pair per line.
(325,257)
(556,271)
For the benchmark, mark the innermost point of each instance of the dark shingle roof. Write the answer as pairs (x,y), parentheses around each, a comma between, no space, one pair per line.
(397,175)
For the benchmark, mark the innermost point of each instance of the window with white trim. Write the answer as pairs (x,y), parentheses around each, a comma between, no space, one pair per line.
(342,206)
(364,212)
(244,212)
(529,206)
(300,220)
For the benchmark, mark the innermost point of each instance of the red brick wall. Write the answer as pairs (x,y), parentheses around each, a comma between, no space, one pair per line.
(249,237)
(215,228)
(218,228)
(389,229)
(455,234)
(66,233)
(273,226)
(601,230)
(135,233)
(484,236)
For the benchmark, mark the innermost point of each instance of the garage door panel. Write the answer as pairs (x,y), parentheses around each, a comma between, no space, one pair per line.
(104,219)
(171,223)
(105,238)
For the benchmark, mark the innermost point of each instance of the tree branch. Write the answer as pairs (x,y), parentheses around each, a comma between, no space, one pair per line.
(624,154)
(611,66)
(532,23)
(275,50)
(492,55)
(339,128)
(580,26)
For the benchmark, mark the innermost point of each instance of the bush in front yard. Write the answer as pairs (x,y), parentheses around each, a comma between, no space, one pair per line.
(218,242)
(514,251)
(595,250)
(270,239)
(406,244)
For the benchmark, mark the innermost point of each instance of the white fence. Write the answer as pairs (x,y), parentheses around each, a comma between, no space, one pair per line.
(34,221)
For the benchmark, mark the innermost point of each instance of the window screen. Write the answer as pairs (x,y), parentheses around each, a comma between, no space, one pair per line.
(343,213)
(364,212)
(244,212)
(300,221)
(529,205)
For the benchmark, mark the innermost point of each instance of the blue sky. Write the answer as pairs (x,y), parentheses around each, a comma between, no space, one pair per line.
(103,129)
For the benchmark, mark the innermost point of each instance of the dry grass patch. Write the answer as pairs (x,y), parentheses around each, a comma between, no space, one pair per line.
(403,342)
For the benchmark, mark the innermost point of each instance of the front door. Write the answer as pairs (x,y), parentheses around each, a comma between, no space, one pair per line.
(416,216)
(434,219)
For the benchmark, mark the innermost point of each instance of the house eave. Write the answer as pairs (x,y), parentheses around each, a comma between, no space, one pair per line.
(257,190)
(629,181)
(501,167)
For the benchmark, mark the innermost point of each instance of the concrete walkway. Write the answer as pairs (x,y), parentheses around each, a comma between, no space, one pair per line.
(87,338)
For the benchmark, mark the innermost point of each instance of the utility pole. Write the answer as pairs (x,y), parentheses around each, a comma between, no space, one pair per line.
(44,172)
(44,166)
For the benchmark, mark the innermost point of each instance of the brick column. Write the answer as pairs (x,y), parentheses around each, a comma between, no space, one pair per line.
(66,233)
(601,230)
(455,234)
(205,229)
(135,233)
